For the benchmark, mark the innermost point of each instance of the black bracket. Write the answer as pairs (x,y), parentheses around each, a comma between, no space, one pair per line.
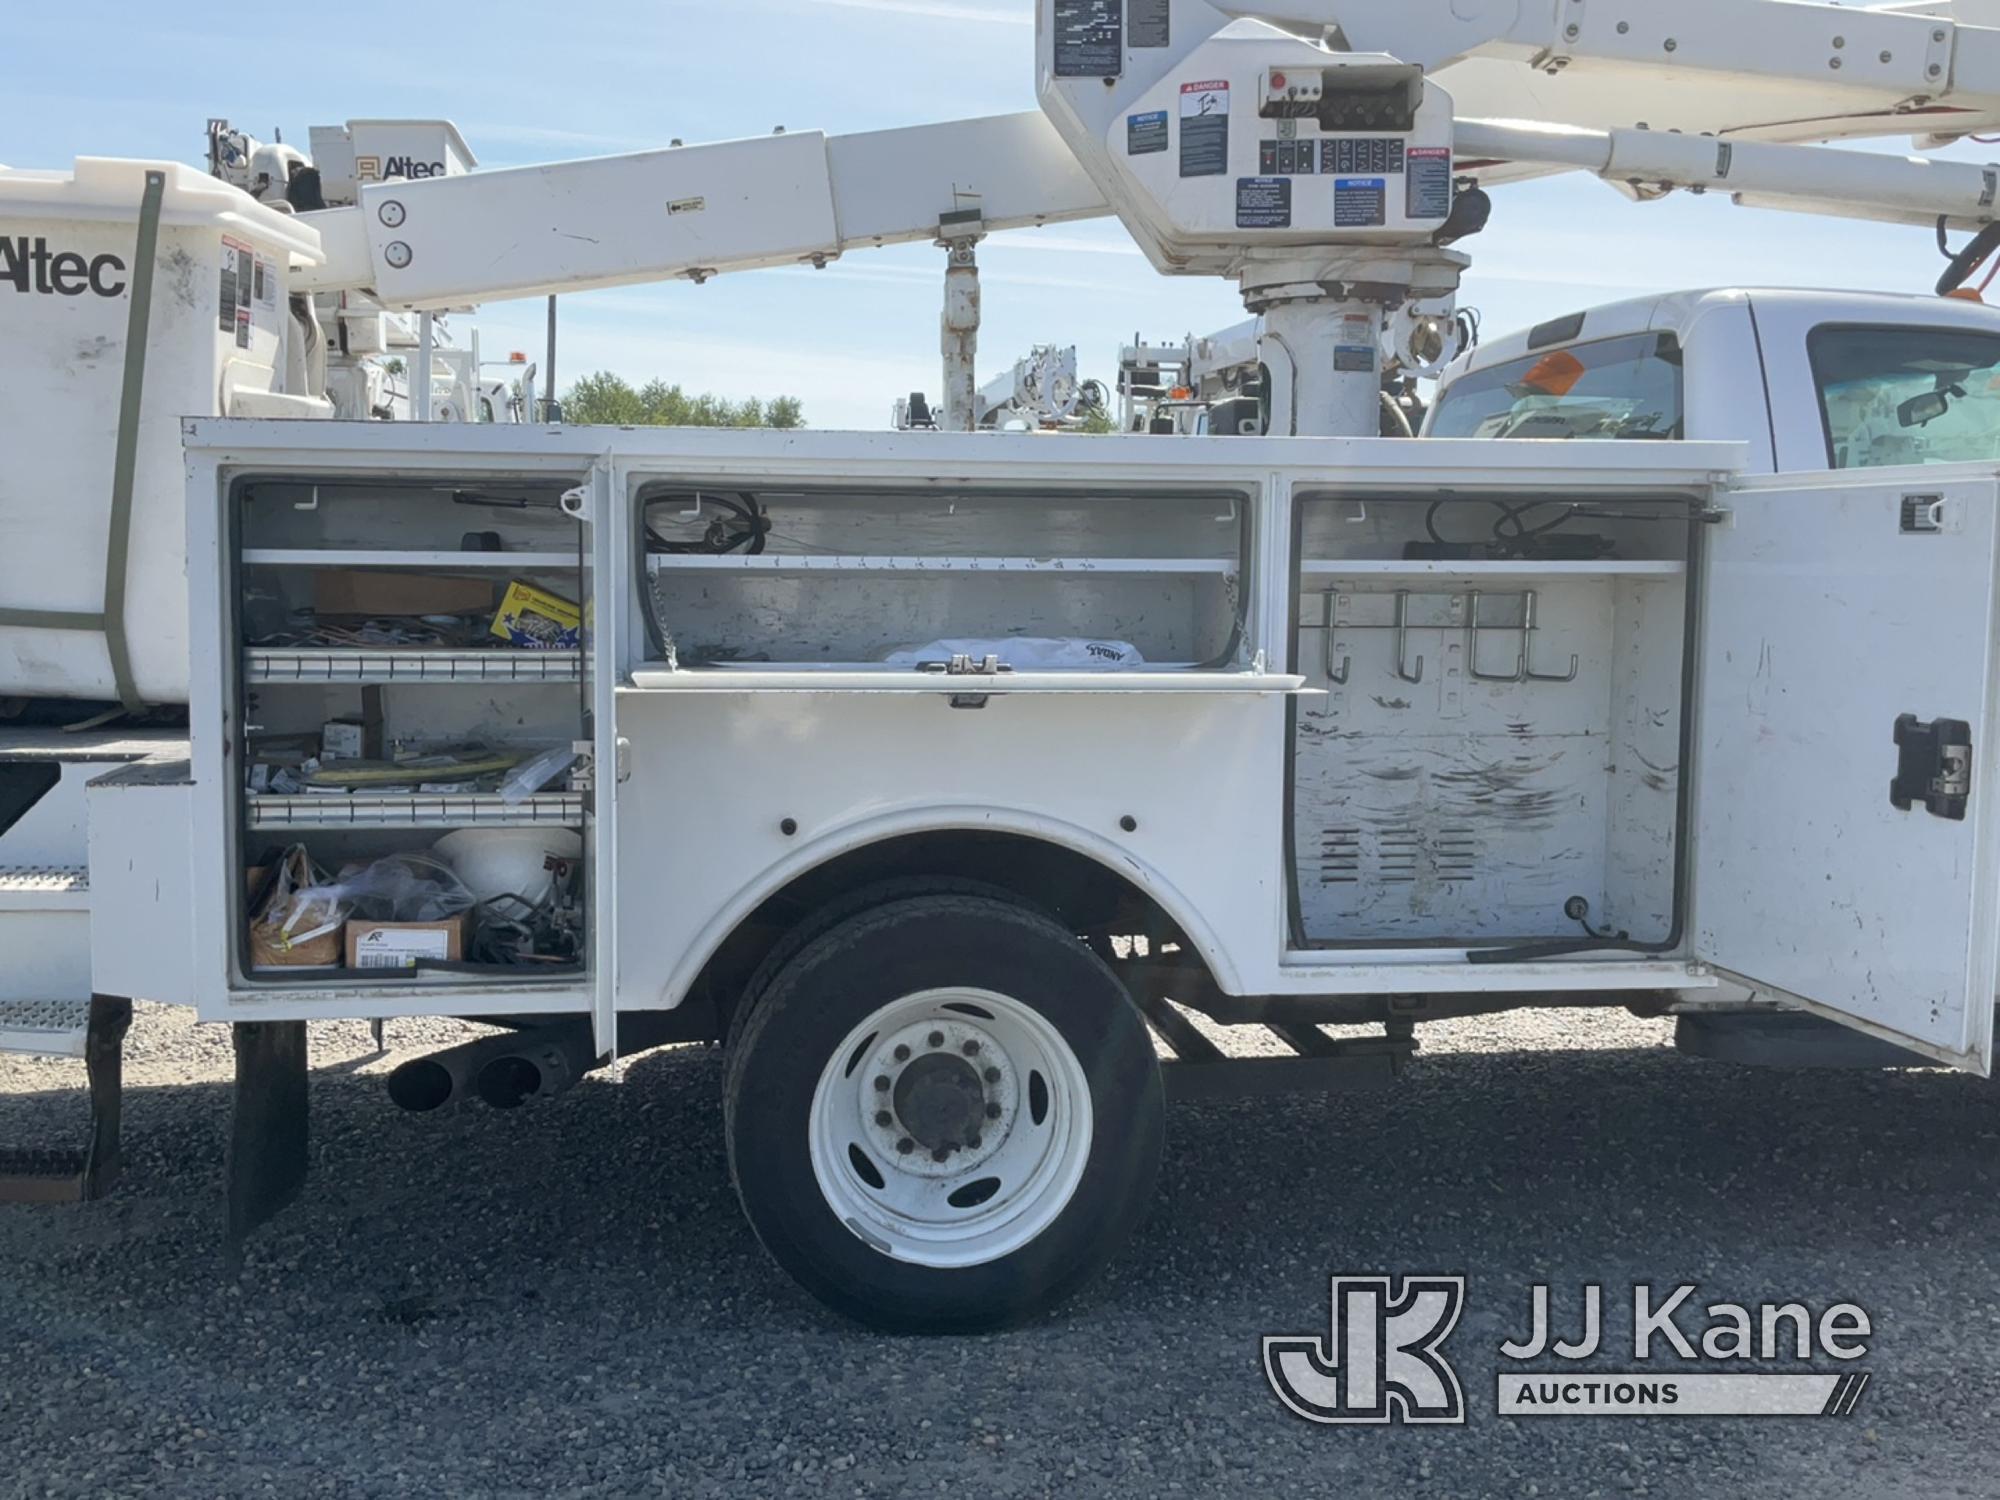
(1934,766)
(267,1146)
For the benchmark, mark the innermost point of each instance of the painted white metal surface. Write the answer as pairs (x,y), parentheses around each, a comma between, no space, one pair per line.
(1825,622)
(66,328)
(142,833)
(693,211)
(1200,775)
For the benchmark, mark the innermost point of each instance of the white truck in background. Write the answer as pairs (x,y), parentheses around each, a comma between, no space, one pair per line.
(1809,380)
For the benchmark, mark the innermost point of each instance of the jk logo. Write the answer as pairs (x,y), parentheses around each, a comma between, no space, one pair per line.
(1382,1362)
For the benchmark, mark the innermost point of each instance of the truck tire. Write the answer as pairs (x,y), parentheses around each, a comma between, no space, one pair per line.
(943,1115)
(843,908)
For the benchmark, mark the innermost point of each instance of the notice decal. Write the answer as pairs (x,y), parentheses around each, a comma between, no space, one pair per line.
(1146,134)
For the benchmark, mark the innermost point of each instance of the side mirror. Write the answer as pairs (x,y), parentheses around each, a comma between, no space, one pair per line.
(1921,411)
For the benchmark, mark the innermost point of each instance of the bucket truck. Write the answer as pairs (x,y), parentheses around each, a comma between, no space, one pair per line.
(939,777)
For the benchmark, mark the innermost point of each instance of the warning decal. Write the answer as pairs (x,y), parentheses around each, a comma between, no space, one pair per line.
(1089,38)
(1429,182)
(1149,24)
(1146,134)
(1263,203)
(1360,202)
(1205,128)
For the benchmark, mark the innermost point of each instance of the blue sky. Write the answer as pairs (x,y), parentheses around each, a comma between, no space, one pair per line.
(538,82)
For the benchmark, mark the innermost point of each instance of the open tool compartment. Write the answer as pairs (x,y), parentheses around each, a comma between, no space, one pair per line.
(1498,760)
(405,659)
(890,579)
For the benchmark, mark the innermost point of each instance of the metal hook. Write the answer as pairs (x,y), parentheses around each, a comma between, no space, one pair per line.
(1403,640)
(1472,630)
(1575,663)
(1329,623)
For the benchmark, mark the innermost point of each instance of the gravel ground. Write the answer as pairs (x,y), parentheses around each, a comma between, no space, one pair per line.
(566,1301)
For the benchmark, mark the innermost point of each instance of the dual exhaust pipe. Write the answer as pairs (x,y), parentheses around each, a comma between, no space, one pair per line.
(505,1071)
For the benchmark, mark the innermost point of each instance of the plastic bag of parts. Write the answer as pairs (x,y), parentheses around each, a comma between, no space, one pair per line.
(531,776)
(1027,653)
(401,888)
(298,917)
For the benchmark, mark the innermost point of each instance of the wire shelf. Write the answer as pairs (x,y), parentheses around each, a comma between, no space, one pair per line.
(390,666)
(416,810)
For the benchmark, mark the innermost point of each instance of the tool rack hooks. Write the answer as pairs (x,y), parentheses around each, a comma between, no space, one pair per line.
(1470,610)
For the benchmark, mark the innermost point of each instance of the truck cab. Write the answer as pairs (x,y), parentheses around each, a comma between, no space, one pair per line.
(1810,380)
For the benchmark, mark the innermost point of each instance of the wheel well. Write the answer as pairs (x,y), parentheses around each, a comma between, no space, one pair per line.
(1089,898)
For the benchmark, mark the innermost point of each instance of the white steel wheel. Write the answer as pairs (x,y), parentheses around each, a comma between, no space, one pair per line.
(943,1113)
(951,1127)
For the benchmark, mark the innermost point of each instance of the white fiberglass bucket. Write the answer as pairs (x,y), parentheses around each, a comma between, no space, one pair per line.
(216,347)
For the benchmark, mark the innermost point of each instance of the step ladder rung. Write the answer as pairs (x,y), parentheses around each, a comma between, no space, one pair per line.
(52,1028)
(44,888)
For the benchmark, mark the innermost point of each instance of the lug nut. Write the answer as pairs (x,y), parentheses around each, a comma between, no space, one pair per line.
(905,1146)
(884,1118)
(992,1111)
(902,1054)
(971,1049)
(992,1075)
(941,1154)
(936,1038)
(972,1143)
(882,1085)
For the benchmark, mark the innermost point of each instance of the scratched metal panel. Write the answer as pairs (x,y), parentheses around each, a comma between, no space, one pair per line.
(1455,809)
(863,615)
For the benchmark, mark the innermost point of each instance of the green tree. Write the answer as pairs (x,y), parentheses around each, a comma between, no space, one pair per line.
(608,400)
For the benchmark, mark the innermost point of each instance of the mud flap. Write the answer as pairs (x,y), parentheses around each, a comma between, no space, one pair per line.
(267,1144)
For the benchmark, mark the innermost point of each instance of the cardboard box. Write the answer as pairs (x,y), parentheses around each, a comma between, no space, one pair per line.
(365,593)
(399,945)
(343,739)
(532,619)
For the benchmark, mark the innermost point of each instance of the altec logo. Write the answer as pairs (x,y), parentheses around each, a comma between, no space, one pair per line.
(29,265)
(1382,1363)
(383,168)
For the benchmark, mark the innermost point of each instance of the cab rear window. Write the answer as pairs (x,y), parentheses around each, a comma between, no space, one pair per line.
(1626,388)
(1907,395)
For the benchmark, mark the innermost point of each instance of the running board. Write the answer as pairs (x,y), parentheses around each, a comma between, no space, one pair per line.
(41,1174)
(1317,1063)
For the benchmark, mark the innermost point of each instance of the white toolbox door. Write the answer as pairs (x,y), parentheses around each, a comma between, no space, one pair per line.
(597,518)
(1834,606)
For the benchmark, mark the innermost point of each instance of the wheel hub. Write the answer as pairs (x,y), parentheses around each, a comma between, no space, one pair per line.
(941,1101)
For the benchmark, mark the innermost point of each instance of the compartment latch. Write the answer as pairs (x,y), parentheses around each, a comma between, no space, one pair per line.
(967,666)
(1934,766)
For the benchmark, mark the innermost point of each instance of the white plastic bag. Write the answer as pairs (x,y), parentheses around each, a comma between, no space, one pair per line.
(531,776)
(398,888)
(1028,653)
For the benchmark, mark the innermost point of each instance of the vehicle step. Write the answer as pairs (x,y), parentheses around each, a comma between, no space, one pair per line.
(47,1028)
(53,1175)
(43,1174)
(44,888)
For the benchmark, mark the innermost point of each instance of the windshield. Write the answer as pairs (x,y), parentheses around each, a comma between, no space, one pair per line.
(1907,395)
(1615,388)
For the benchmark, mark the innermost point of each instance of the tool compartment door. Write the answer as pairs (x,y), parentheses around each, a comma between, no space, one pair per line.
(1834,606)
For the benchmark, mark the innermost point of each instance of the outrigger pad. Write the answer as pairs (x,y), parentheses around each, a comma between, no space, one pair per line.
(267,1144)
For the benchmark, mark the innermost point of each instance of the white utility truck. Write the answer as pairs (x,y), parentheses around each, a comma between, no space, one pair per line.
(940,776)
